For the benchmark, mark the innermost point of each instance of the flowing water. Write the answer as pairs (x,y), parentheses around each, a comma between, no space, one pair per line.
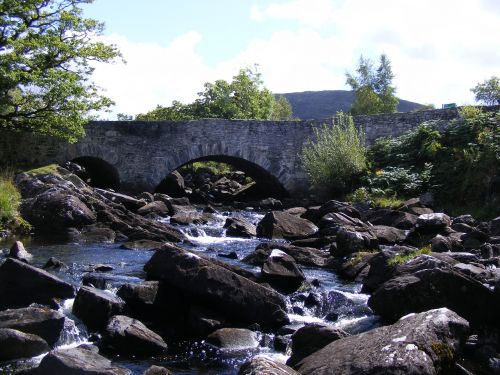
(339,298)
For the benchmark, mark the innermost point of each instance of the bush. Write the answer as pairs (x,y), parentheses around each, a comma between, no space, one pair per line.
(9,199)
(337,158)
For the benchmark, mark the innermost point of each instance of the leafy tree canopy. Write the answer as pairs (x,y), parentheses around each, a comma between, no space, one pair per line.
(46,48)
(244,97)
(373,87)
(488,92)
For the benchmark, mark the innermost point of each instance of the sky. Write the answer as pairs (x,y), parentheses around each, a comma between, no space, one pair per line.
(439,49)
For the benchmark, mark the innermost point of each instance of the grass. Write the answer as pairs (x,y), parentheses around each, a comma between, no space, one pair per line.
(358,257)
(10,199)
(404,258)
(51,168)
(381,201)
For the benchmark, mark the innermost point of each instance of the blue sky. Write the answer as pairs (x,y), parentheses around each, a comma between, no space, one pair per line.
(439,49)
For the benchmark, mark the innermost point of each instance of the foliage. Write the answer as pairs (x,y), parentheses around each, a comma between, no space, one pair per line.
(488,92)
(406,257)
(337,157)
(46,48)
(377,198)
(176,112)
(243,98)
(373,87)
(10,199)
(216,168)
(460,164)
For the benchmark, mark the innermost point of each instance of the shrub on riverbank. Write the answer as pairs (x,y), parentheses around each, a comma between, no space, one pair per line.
(460,164)
(337,158)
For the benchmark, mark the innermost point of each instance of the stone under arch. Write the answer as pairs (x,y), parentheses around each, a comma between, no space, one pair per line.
(267,185)
(99,173)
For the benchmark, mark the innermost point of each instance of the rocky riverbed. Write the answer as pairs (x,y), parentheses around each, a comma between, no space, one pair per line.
(115,284)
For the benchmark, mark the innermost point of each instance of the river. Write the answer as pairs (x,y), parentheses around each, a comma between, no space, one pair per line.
(343,305)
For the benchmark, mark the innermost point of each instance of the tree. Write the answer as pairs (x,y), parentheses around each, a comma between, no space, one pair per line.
(373,87)
(46,48)
(337,157)
(244,97)
(488,92)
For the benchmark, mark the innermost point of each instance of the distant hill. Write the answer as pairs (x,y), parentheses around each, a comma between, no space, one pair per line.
(322,104)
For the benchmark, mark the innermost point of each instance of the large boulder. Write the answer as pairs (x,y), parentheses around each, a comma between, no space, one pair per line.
(94,307)
(278,224)
(281,271)
(16,344)
(77,361)
(53,210)
(173,185)
(22,285)
(55,200)
(131,337)
(419,344)
(233,338)
(234,296)
(43,322)
(422,285)
(311,338)
(265,366)
(239,227)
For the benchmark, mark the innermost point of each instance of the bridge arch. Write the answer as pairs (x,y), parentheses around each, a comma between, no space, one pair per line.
(98,172)
(267,185)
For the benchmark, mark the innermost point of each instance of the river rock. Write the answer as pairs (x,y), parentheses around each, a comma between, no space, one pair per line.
(424,343)
(239,227)
(17,251)
(93,234)
(338,220)
(141,245)
(433,223)
(94,307)
(77,361)
(306,256)
(236,297)
(156,207)
(281,271)
(392,218)
(131,337)
(186,217)
(350,241)
(443,244)
(334,206)
(311,338)
(43,322)
(157,370)
(233,338)
(22,285)
(425,283)
(277,224)
(494,227)
(130,203)
(16,344)
(388,235)
(55,264)
(265,366)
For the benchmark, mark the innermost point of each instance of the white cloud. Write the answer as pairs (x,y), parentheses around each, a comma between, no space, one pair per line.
(438,50)
(153,74)
(313,13)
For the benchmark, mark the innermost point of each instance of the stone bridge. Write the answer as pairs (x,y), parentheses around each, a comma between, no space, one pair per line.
(136,156)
